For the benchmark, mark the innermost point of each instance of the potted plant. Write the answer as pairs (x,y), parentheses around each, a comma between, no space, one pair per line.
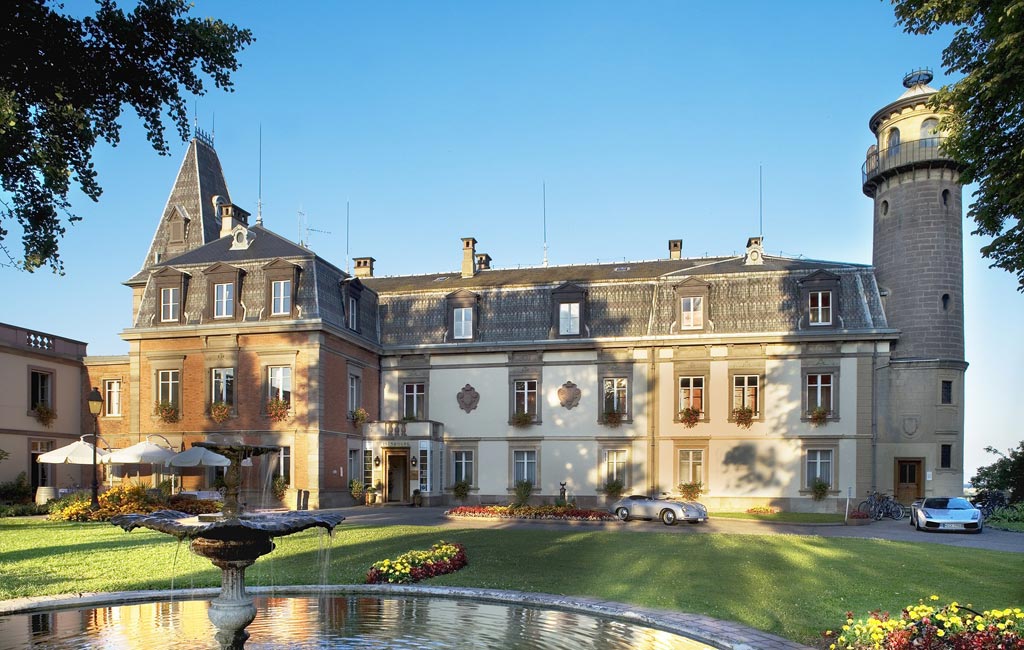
(356,488)
(819,489)
(521,419)
(220,411)
(279,487)
(380,492)
(690,491)
(277,409)
(613,489)
(360,416)
(743,416)
(613,418)
(167,412)
(689,417)
(44,414)
(417,498)
(818,416)
(523,490)
(461,490)
(370,493)
(858,518)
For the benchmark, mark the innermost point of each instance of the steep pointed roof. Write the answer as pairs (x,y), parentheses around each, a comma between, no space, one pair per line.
(189,219)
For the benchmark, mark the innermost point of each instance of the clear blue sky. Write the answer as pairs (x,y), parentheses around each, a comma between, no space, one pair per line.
(441,120)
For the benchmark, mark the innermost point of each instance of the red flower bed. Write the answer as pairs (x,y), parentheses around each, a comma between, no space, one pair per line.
(565,513)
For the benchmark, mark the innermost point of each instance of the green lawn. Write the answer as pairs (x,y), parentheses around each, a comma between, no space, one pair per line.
(794,586)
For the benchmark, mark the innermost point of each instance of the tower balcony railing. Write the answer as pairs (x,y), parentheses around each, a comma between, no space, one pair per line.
(392,429)
(914,153)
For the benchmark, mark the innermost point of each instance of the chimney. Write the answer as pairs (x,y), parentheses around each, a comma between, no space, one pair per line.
(468,257)
(755,252)
(483,262)
(364,267)
(675,249)
(230,215)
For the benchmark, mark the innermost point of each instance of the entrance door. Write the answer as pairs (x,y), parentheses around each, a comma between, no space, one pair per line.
(397,480)
(908,480)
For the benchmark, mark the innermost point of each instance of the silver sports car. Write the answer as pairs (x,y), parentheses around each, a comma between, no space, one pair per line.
(669,511)
(946,513)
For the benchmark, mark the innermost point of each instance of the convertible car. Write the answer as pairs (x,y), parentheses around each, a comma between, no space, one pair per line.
(946,513)
(669,511)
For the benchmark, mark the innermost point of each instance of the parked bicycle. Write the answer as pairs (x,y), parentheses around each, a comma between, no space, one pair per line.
(878,505)
(990,501)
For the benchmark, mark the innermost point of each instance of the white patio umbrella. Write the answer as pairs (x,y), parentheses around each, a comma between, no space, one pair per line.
(197,456)
(138,454)
(78,452)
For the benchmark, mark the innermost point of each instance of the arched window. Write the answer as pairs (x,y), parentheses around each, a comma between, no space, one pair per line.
(930,132)
(893,142)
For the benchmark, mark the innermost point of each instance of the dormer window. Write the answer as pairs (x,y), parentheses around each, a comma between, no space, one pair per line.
(224,284)
(281,298)
(170,304)
(691,313)
(462,316)
(353,313)
(819,293)
(351,295)
(691,306)
(820,308)
(569,311)
(282,279)
(223,300)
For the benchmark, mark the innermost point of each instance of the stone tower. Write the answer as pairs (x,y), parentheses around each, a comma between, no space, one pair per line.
(918,260)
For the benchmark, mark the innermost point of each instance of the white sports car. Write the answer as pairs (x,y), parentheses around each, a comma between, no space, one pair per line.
(946,513)
(669,511)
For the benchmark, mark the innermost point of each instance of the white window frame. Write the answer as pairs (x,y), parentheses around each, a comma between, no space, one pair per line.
(522,390)
(224,300)
(819,385)
(690,462)
(525,459)
(819,308)
(112,398)
(817,461)
(568,318)
(618,389)
(170,304)
(42,392)
(279,383)
(616,464)
(353,313)
(355,392)
(220,381)
(462,466)
(414,394)
(462,323)
(284,464)
(169,387)
(745,399)
(691,313)
(686,393)
(281,297)
(426,476)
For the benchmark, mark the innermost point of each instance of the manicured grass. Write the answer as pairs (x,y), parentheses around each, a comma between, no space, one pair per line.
(785,517)
(1016,526)
(794,586)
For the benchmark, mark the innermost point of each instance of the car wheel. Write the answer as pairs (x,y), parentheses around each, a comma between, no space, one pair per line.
(917,525)
(979,529)
(622,514)
(668,517)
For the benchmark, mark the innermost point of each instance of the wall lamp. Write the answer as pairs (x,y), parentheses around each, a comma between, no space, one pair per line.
(413,461)
(376,461)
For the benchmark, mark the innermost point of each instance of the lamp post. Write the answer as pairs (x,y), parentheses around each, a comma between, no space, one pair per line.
(95,401)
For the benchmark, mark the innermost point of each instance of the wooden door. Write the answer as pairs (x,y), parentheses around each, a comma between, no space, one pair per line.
(909,482)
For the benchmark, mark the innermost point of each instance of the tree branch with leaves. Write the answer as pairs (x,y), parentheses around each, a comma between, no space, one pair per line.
(63,85)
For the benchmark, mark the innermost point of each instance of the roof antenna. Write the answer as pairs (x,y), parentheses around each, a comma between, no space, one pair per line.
(544,195)
(302,219)
(259,191)
(195,117)
(348,260)
(213,127)
(760,204)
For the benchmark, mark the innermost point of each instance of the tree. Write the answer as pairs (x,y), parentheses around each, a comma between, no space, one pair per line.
(1007,473)
(986,124)
(63,84)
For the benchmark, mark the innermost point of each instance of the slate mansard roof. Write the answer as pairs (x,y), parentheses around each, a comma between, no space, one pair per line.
(627,300)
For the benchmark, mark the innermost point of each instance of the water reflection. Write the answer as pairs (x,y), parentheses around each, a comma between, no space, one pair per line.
(355,622)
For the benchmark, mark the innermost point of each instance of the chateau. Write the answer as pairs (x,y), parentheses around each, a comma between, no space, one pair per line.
(760,377)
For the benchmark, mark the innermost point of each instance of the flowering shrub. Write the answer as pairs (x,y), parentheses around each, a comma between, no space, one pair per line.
(442,558)
(689,417)
(531,512)
(690,491)
(360,416)
(743,416)
(277,409)
(166,411)
(763,510)
(857,514)
(220,411)
(121,499)
(927,627)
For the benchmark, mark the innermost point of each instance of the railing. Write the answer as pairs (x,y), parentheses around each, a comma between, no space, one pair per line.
(384,429)
(903,154)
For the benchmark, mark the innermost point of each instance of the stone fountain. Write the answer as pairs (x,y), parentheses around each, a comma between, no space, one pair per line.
(232,541)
